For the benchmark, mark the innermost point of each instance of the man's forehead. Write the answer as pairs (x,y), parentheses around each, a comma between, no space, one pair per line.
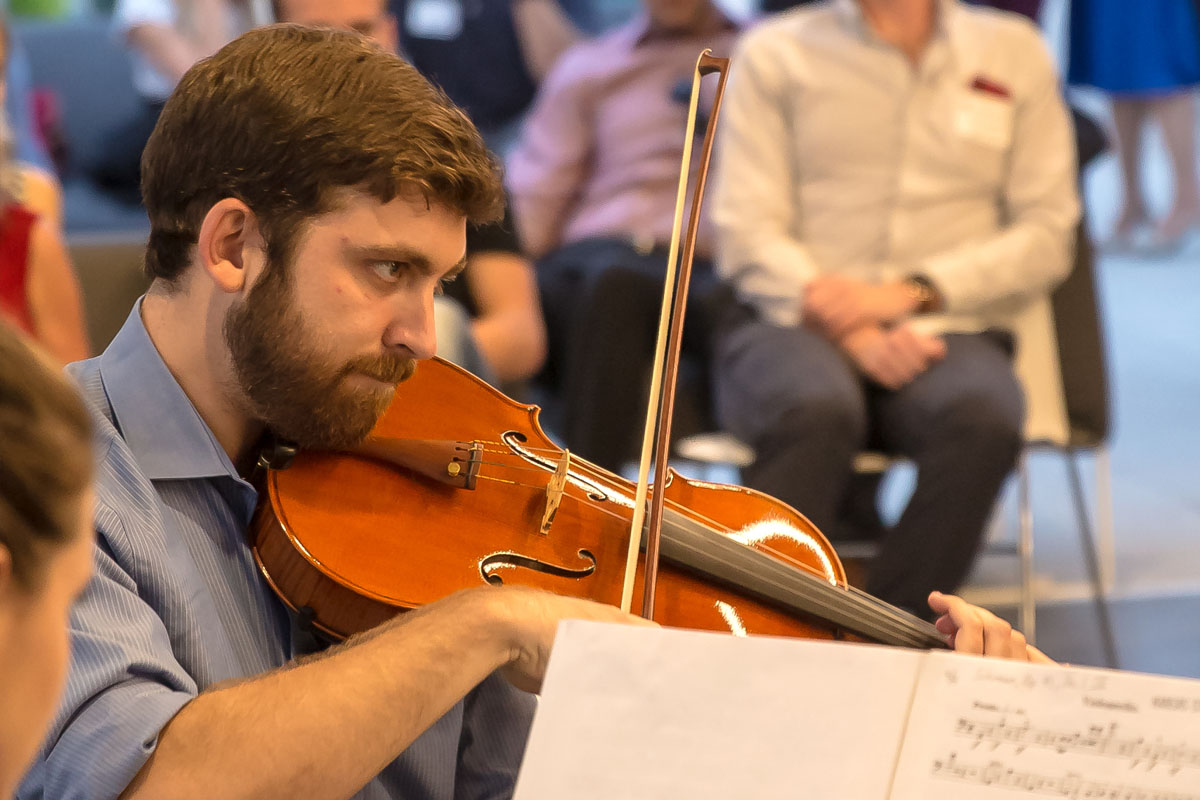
(408,225)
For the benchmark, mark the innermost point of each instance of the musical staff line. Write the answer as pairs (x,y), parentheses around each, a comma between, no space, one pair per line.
(1097,740)
(1073,786)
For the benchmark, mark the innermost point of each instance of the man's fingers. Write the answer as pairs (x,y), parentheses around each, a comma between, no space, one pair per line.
(968,636)
(997,636)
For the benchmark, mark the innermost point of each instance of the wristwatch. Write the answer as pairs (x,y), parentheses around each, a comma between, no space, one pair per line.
(921,290)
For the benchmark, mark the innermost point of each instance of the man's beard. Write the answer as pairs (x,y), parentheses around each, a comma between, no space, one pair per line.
(292,385)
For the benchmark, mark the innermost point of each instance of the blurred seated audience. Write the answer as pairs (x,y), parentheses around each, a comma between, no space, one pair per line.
(593,181)
(45,543)
(896,182)
(39,292)
(165,37)
(28,146)
(488,320)
(489,57)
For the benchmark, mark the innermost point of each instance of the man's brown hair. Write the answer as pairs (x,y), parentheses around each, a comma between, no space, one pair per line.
(45,457)
(282,117)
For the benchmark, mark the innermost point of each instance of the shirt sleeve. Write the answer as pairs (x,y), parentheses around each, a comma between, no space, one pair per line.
(496,720)
(547,169)
(754,197)
(1032,252)
(123,687)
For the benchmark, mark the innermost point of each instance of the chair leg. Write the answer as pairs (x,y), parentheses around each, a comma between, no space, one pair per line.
(1106,542)
(1091,560)
(1026,619)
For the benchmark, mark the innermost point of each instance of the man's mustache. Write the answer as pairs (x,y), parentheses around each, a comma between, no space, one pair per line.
(387,368)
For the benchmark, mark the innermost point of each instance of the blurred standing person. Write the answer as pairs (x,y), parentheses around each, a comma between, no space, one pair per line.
(39,292)
(1146,56)
(45,543)
(164,38)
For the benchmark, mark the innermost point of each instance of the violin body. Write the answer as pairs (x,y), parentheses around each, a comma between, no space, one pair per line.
(355,540)
(455,488)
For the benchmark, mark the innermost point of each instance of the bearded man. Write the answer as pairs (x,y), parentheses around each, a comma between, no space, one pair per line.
(307,193)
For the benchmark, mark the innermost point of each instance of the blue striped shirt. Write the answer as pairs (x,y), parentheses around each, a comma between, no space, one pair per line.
(177,604)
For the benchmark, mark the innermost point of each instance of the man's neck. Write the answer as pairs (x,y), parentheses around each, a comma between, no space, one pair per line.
(187,332)
(906,24)
(709,19)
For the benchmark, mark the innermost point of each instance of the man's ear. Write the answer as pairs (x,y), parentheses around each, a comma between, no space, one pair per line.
(228,234)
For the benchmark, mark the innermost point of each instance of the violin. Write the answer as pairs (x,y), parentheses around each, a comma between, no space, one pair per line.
(458,486)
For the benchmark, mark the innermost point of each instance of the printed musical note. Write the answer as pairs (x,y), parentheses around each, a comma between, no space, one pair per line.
(1099,740)
(999,775)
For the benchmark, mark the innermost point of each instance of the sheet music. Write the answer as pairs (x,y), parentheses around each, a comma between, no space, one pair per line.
(985,729)
(651,714)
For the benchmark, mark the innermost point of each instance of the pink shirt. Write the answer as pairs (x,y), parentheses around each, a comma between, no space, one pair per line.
(600,152)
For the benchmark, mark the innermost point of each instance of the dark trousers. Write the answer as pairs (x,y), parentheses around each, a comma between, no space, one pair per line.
(798,400)
(601,299)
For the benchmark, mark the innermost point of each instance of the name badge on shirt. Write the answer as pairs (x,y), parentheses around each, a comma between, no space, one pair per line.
(434,19)
(984,118)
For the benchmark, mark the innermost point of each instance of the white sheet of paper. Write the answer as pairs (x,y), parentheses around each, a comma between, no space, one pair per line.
(982,729)
(645,713)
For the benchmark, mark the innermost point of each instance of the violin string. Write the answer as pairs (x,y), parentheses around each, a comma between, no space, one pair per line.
(703,519)
(503,480)
(879,606)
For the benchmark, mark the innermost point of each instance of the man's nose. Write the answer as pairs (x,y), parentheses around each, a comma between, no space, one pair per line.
(412,328)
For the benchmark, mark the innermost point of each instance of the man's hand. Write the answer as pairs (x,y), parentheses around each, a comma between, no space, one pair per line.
(837,305)
(978,631)
(533,618)
(892,358)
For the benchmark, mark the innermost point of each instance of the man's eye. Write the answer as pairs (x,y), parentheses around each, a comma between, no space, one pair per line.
(388,270)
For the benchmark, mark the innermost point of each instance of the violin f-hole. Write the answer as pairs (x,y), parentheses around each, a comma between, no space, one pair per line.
(490,566)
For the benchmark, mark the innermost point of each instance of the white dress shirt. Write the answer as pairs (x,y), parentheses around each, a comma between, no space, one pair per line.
(838,155)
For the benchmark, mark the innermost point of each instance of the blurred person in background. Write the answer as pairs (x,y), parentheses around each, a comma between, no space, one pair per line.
(39,292)
(164,38)
(896,183)
(45,543)
(28,146)
(1146,56)
(490,56)
(593,180)
(488,320)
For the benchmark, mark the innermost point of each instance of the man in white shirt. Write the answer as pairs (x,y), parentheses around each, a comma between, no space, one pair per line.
(897,182)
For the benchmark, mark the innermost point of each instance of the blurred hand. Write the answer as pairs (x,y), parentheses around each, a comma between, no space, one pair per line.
(892,358)
(532,617)
(971,629)
(836,305)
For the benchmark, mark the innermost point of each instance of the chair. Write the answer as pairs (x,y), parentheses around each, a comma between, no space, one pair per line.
(1063,369)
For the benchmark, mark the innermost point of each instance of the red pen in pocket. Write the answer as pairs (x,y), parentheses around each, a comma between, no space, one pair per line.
(982,84)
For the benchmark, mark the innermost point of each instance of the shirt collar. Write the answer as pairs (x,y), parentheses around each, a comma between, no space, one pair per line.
(156,419)
(945,26)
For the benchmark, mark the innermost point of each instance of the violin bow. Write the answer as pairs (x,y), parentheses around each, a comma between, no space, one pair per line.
(666,348)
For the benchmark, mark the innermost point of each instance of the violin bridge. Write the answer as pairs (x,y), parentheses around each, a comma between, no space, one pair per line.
(554,492)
